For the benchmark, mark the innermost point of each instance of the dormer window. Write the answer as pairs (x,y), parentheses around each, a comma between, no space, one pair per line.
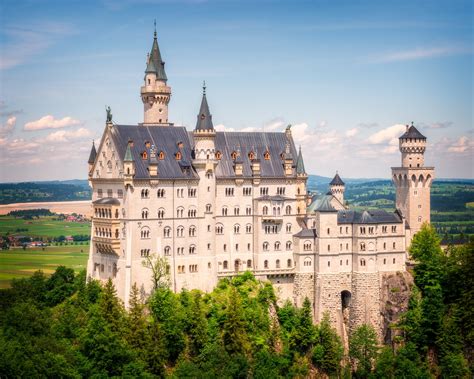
(178,155)
(161,155)
(203,116)
(251,155)
(266,155)
(282,156)
(234,155)
(147,144)
(218,155)
(144,155)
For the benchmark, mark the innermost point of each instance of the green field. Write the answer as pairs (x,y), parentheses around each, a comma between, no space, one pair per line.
(19,263)
(42,227)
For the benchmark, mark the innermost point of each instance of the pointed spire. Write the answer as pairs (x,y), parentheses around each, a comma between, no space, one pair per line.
(287,154)
(93,154)
(204,118)
(337,181)
(128,153)
(157,62)
(300,164)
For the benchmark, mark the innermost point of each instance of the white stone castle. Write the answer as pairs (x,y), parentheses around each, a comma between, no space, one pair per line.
(216,204)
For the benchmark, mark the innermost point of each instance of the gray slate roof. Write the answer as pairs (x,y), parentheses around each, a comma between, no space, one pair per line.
(106,201)
(155,57)
(321,204)
(306,233)
(337,181)
(166,139)
(300,163)
(204,118)
(378,216)
(412,132)
(92,155)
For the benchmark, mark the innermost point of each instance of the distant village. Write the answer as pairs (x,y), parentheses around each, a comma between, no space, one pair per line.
(19,237)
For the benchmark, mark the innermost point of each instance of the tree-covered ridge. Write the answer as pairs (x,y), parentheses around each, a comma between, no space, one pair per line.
(43,191)
(63,326)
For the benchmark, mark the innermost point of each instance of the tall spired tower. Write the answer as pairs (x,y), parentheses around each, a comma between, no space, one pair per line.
(154,92)
(413,180)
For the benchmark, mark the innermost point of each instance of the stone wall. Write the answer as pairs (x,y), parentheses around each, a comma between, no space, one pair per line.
(303,287)
(365,304)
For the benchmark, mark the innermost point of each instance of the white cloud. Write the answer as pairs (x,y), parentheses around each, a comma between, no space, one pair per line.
(352,132)
(389,134)
(22,145)
(421,53)
(68,135)
(462,145)
(49,122)
(8,127)
(222,128)
(439,125)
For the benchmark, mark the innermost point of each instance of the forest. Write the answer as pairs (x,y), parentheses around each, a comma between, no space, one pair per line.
(64,326)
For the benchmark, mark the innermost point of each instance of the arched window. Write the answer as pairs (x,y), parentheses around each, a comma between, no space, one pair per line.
(288,263)
(219,229)
(277,263)
(218,155)
(265,246)
(248,228)
(192,231)
(167,250)
(208,208)
(224,211)
(266,155)
(192,249)
(225,265)
(179,212)
(307,246)
(251,155)
(277,246)
(167,232)
(307,262)
(161,155)
(234,155)
(288,245)
(249,263)
(236,229)
(288,210)
(160,193)
(265,210)
(265,264)
(362,262)
(288,228)
(180,231)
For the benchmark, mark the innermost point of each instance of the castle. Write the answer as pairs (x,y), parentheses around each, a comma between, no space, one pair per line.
(218,203)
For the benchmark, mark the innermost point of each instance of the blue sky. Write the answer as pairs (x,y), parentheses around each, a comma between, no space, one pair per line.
(346,74)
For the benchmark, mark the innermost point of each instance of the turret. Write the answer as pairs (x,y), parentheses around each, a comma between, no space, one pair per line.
(155,93)
(204,134)
(412,146)
(413,181)
(92,157)
(128,165)
(337,188)
(288,160)
(301,178)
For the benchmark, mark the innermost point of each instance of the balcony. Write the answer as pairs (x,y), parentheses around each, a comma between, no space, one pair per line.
(265,272)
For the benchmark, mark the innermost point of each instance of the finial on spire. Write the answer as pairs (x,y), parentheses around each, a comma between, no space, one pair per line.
(412,123)
(204,88)
(154,22)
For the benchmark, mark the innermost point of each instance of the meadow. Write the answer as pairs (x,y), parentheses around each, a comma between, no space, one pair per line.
(19,263)
(42,227)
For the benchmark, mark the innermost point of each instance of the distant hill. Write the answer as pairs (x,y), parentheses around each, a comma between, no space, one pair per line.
(29,192)
(359,191)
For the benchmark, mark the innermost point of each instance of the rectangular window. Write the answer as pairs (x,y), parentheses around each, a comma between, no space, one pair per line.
(110,193)
(99,193)
(120,194)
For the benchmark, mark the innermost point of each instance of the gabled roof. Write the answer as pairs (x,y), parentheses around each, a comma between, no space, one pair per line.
(412,132)
(204,118)
(157,62)
(300,164)
(336,181)
(92,155)
(306,233)
(376,216)
(166,140)
(321,204)
(106,201)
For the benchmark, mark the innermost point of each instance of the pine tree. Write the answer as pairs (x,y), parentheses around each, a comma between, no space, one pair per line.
(197,327)
(363,349)
(234,335)
(111,308)
(304,334)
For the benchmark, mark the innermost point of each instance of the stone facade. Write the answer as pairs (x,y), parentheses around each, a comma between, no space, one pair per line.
(215,204)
